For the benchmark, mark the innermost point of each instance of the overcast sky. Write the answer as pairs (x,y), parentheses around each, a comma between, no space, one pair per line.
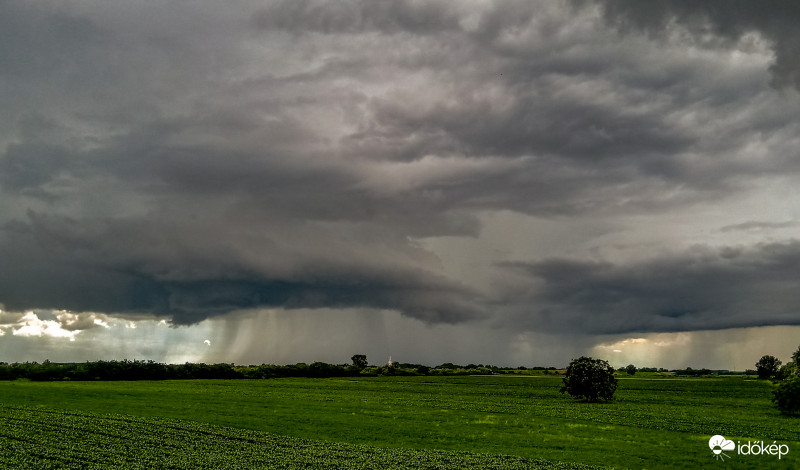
(513,182)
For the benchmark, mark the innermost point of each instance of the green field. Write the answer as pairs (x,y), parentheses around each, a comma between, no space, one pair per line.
(653,423)
(37,438)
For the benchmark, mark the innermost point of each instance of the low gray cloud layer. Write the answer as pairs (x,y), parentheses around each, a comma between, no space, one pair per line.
(702,289)
(189,160)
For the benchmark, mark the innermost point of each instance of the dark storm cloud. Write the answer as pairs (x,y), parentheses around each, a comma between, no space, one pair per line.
(193,160)
(576,115)
(700,290)
(60,41)
(755,225)
(776,20)
(155,266)
(358,16)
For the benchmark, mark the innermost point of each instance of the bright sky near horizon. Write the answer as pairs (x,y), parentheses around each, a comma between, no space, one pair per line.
(514,182)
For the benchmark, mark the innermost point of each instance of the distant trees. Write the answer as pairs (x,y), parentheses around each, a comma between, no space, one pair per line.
(630,369)
(116,370)
(359,360)
(151,370)
(693,372)
(767,366)
(590,379)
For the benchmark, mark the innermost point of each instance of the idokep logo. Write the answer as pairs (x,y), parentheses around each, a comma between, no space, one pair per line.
(718,445)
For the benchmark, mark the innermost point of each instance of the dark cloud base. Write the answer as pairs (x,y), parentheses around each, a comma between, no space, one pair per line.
(703,290)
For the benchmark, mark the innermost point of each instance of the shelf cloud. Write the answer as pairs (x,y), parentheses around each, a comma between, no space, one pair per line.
(594,168)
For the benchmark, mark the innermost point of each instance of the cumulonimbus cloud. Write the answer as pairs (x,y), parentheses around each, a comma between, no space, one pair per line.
(300,155)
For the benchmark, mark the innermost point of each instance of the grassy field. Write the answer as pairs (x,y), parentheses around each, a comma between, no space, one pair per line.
(653,423)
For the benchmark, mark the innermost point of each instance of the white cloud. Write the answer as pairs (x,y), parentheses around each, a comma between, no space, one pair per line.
(31,325)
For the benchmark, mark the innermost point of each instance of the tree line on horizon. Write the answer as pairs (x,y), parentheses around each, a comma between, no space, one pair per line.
(151,370)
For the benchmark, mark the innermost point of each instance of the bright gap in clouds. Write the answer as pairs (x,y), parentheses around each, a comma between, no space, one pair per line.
(735,349)
(31,325)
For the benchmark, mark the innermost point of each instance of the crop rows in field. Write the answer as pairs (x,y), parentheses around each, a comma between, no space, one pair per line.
(43,438)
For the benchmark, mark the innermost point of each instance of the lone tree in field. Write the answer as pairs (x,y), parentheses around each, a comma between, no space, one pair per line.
(359,360)
(630,369)
(767,366)
(590,379)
